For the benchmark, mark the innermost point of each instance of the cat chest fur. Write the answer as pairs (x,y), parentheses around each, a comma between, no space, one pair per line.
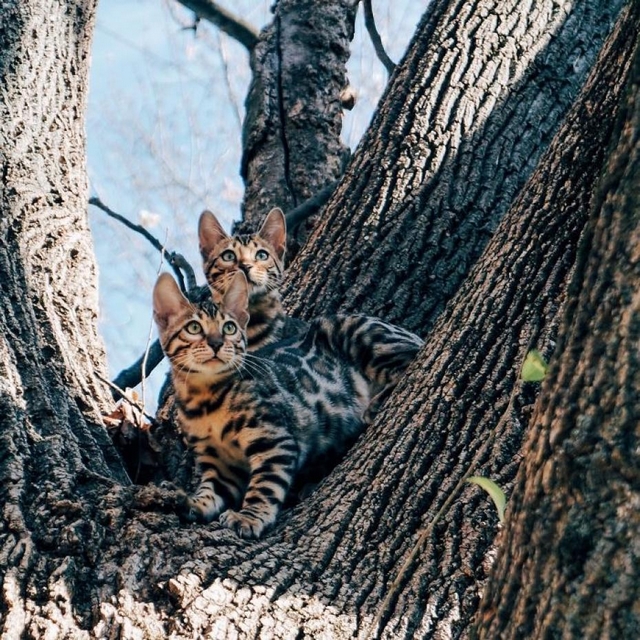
(220,419)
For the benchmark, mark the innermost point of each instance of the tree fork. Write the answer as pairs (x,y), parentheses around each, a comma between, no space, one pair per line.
(462,124)
(331,561)
(84,554)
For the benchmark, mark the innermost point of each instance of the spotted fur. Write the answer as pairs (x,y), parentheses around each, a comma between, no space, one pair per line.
(253,422)
(379,351)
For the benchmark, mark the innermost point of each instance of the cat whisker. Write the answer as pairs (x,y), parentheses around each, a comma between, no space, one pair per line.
(272,285)
(259,364)
(246,366)
(254,357)
(182,367)
(238,368)
(259,368)
(185,369)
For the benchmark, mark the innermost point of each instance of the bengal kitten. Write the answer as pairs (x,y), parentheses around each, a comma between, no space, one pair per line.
(379,350)
(261,257)
(252,422)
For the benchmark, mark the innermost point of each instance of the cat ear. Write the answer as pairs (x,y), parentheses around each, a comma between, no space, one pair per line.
(210,233)
(236,299)
(274,231)
(168,301)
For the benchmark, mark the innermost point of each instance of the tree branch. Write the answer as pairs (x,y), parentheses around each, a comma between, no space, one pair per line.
(234,27)
(370,23)
(177,261)
(140,369)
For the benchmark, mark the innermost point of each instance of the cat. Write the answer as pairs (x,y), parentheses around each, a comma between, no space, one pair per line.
(254,423)
(261,257)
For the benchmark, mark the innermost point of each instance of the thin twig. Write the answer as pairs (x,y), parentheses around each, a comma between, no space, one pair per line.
(233,26)
(145,357)
(237,111)
(140,369)
(96,202)
(121,392)
(376,40)
(177,261)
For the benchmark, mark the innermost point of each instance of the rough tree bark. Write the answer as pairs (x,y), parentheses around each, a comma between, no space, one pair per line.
(53,446)
(570,564)
(476,100)
(47,260)
(87,555)
(291,136)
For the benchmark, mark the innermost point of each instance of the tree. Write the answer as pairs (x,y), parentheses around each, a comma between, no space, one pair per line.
(393,543)
(569,561)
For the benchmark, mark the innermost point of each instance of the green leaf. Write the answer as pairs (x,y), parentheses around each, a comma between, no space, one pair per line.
(494,491)
(534,368)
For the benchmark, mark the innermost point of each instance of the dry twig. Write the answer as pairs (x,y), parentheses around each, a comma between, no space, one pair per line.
(233,26)
(177,261)
(376,40)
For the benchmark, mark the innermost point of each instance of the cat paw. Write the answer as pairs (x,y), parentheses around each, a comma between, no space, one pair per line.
(244,524)
(191,509)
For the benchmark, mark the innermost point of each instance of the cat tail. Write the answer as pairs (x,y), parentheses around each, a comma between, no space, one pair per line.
(379,350)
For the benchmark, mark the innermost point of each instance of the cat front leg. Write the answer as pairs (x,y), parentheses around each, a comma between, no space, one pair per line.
(203,505)
(221,486)
(273,465)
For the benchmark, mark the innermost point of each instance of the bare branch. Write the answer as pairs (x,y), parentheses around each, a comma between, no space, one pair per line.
(224,57)
(375,37)
(234,27)
(133,375)
(177,261)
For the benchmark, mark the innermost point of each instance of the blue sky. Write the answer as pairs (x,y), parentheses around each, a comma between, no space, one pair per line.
(163,131)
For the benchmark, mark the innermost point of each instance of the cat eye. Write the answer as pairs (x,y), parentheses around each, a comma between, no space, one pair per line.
(229,328)
(261,254)
(194,328)
(228,255)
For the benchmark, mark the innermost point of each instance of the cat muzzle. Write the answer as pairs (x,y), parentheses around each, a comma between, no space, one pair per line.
(215,344)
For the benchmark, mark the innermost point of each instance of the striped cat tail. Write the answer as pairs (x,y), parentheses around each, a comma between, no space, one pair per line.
(380,351)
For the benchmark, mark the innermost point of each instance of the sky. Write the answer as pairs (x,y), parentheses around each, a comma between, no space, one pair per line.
(164,141)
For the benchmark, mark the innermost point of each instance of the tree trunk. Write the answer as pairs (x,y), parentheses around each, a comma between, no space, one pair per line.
(87,555)
(465,119)
(48,267)
(291,136)
(54,450)
(50,348)
(569,565)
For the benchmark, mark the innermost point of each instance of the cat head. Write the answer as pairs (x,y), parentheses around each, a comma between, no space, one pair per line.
(260,256)
(202,339)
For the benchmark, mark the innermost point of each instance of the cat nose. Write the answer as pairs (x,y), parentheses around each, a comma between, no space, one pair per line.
(245,268)
(214,342)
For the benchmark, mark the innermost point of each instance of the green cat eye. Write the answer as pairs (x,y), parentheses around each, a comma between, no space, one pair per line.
(228,255)
(194,328)
(261,254)
(229,328)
